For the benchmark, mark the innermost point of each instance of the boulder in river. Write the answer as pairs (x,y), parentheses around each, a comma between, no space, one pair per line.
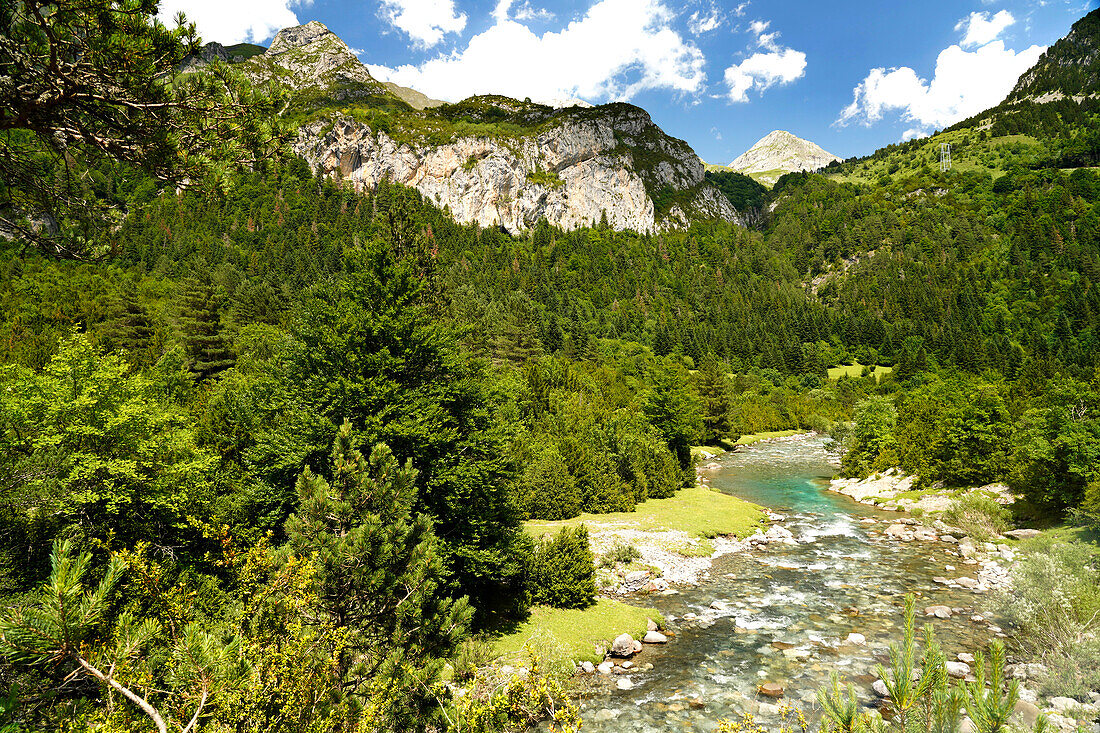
(938,611)
(623,646)
(625,683)
(880,688)
(654,637)
(854,638)
(606,667)
(958,670)
(771,689)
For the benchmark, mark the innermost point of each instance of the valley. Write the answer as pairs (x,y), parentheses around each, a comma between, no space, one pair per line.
(330,407)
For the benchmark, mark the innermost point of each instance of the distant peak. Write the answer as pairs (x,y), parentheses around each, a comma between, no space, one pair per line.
(300,36)
(781,152)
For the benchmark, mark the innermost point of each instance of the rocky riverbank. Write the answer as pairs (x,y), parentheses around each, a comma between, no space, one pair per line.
(895,491)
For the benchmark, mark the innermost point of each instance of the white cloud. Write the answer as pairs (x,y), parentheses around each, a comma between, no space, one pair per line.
(426,21)
(965,83)
(912,133)
(982,28)
(617,49)
(529,12)
(236,21)
(764,69)
(503,11)
(704,22)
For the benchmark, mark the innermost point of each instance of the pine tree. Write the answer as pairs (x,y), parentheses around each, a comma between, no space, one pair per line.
(378,576)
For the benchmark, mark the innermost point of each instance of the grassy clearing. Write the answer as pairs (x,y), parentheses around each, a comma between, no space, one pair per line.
(1064,533)
(706,452)
(566,636)
(757,437)
(696,510)
(856,370)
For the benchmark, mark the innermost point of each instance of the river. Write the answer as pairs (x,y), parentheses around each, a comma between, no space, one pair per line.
(782,613)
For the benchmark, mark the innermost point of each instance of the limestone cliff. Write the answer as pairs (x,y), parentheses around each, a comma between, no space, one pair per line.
(491,160)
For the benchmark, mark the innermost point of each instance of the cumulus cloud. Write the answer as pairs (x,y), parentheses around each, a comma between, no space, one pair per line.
(772,65)
(617,49)
(965,83)
(237,21)
(983,28)
(424,21)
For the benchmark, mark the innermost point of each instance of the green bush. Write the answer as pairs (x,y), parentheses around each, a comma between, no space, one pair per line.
(978,515)
(1055,606)
(562,570)
(620,553)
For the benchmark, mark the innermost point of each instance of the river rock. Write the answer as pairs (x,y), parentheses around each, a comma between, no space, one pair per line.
(637,646)
(771,689)
(854,638)
(625,683)
(1062,704)
(938,611)
(623,646)
(967,726)
(603,716)
(958,670)
(1026,712)
(767,708)
(654,637)
(783,535)
(880,688)
(1022,534)
(967,582)
(651,625)
(605,667)
(898,532)
(1061,722)
(627,665)
(965,657)
(587,667)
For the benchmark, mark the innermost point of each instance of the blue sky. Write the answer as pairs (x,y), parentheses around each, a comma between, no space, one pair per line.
(851,75)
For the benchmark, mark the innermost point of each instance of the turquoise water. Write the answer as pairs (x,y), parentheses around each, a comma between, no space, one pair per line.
(782,613)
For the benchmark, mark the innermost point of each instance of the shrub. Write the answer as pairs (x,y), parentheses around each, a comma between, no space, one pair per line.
(472,655)
(562,570)
(978,515)
(1055,606)
(620,553)
(516,704)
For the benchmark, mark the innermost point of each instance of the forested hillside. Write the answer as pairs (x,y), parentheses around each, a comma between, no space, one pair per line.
(276,413)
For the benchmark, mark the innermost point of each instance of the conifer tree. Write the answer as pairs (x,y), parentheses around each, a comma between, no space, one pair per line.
(200,322)
(379,580)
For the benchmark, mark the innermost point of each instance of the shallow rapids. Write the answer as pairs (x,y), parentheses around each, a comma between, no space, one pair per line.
(783,612)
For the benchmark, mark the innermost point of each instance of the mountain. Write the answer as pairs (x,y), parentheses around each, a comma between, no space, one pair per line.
(411,97)
(1069,68)
(780,152)
(491,160)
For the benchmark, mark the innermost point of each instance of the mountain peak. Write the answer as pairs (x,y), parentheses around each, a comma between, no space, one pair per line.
(301,36)
(312,56)
(781,152)
(1069,68)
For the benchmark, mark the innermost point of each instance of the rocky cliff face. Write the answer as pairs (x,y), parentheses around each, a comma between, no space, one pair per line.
(491,160)
(781,152)
(574,173)
(1068,69)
